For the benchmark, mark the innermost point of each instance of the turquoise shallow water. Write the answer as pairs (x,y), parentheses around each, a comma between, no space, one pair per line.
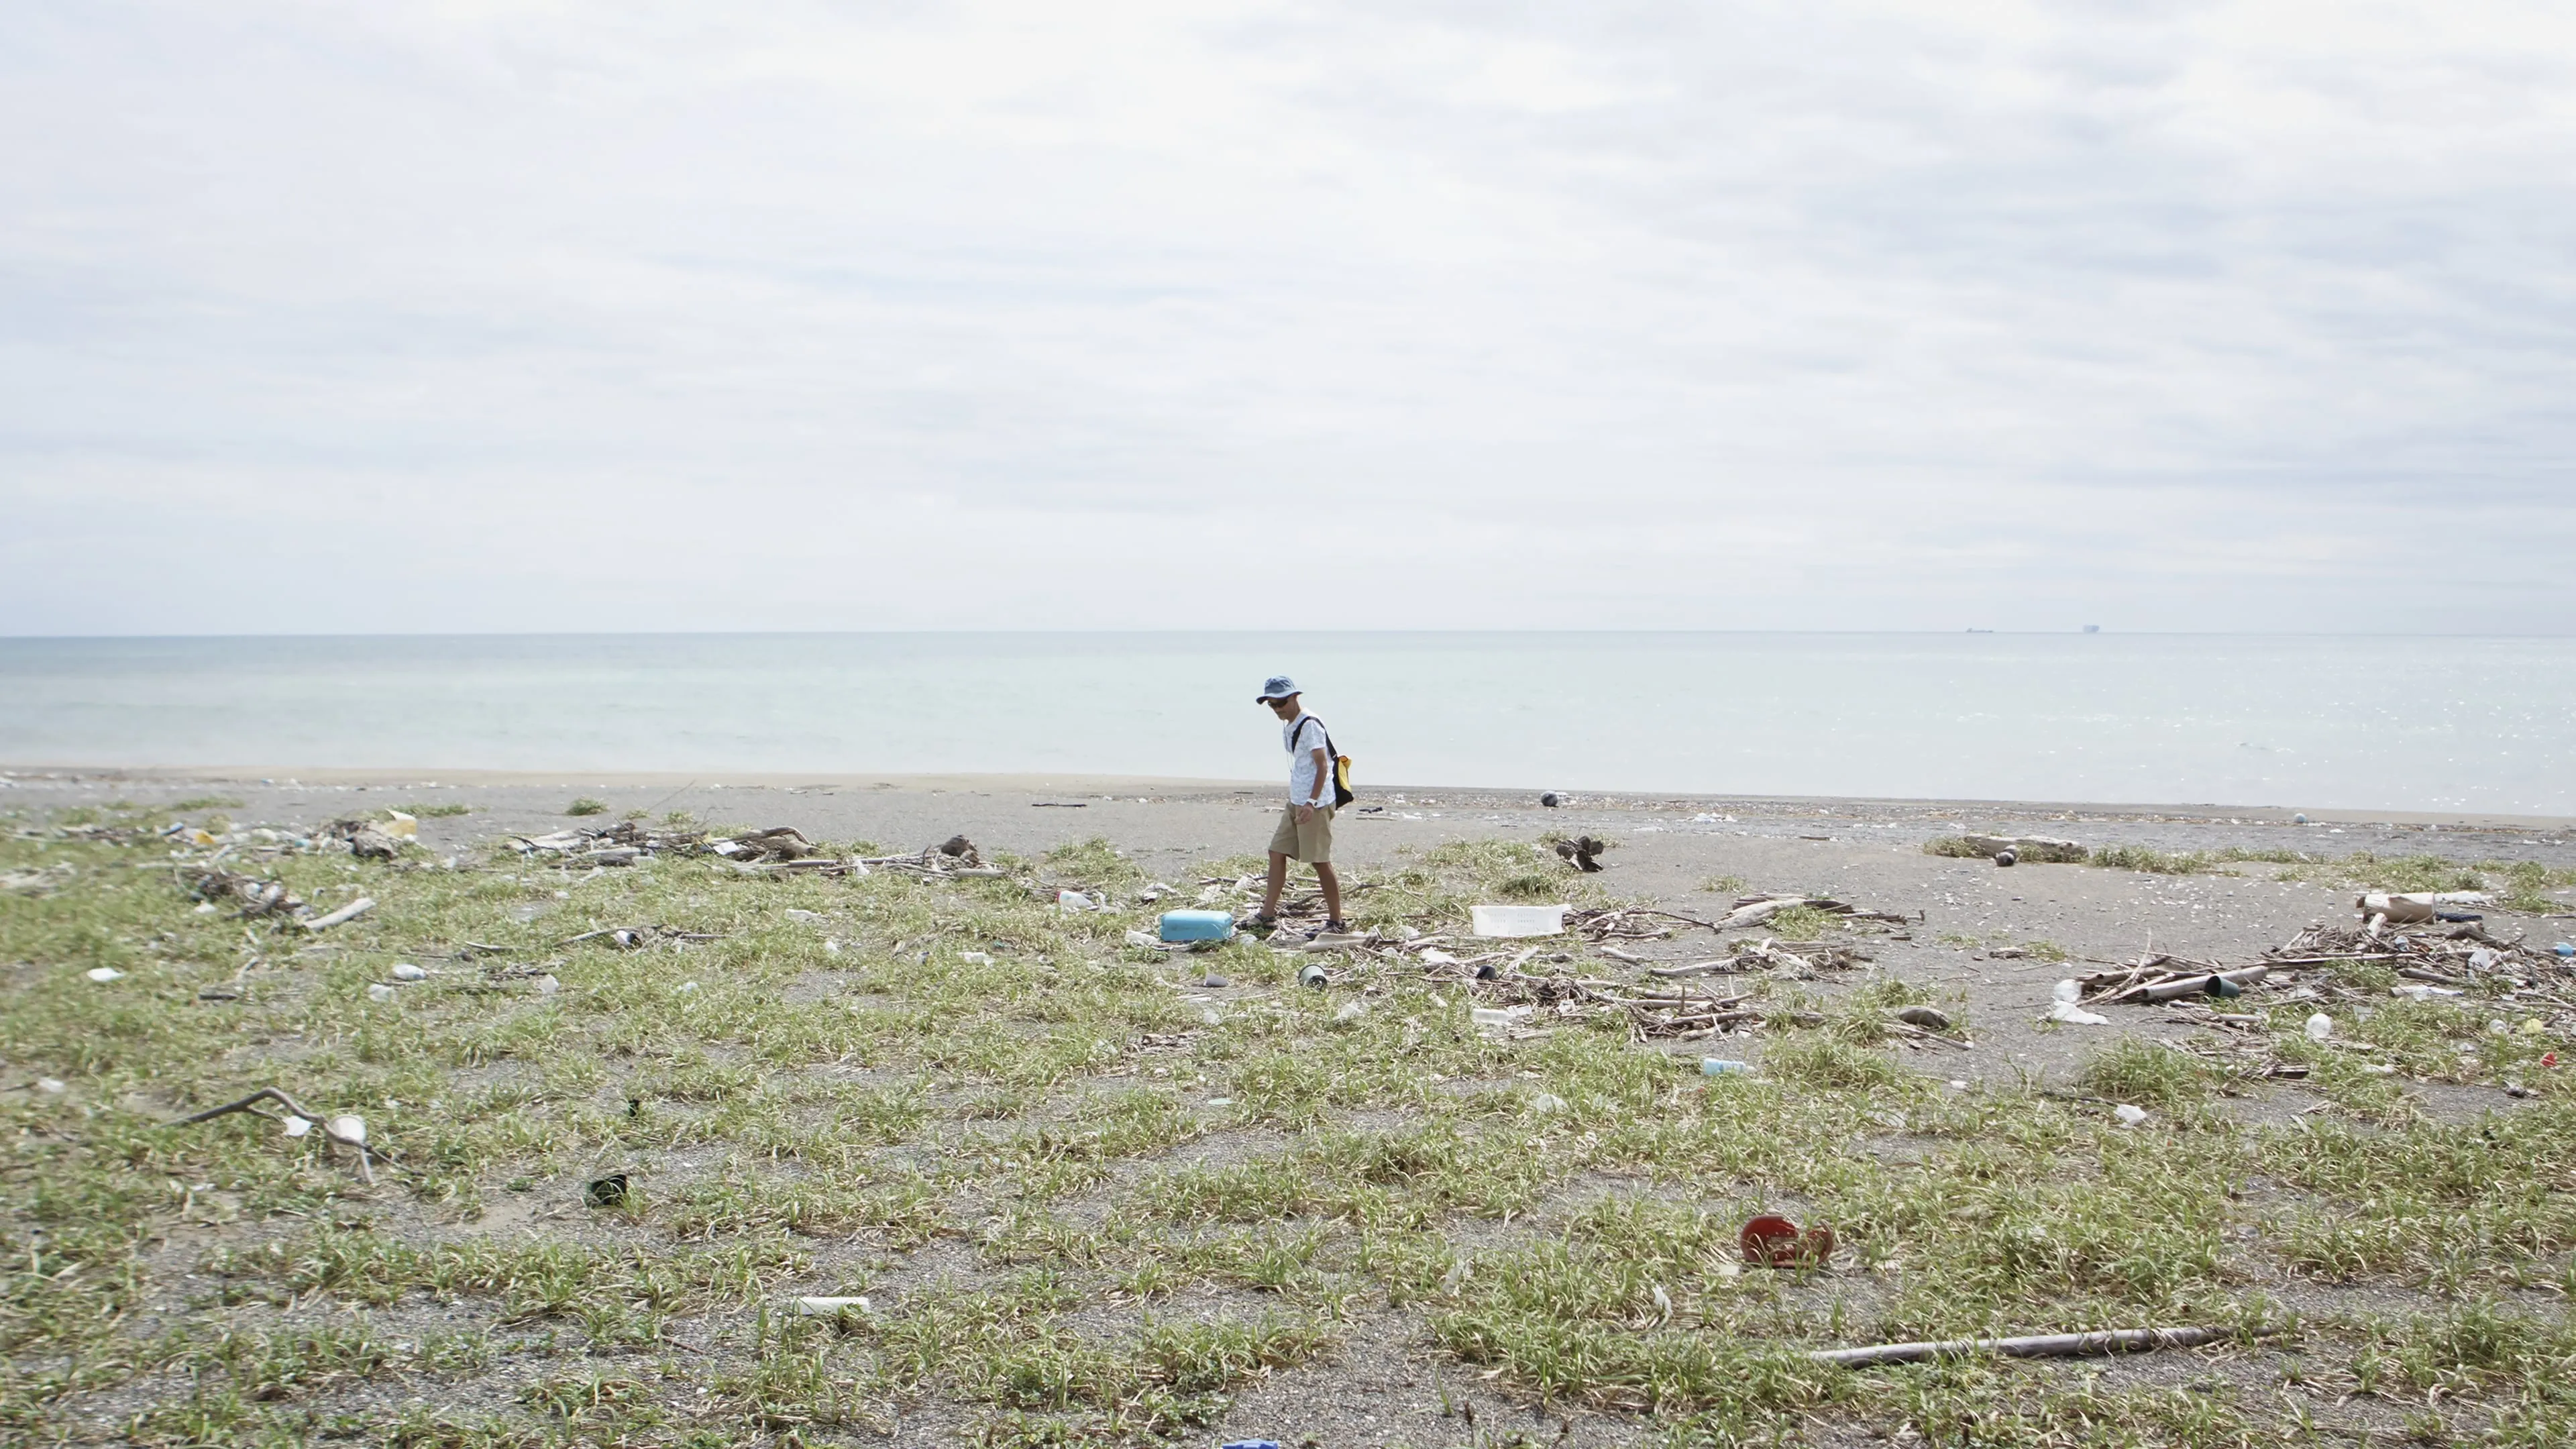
(2477,724)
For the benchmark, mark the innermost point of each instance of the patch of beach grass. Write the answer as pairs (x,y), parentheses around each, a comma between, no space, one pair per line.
(1089,1214)
(1801,923)
(587,805)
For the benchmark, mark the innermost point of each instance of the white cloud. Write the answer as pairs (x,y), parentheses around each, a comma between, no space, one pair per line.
(2187,316)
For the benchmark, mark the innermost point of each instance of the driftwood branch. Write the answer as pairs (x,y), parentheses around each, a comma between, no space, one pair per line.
(349,912)
(2045,1345)
(264,1094)
(251,1103)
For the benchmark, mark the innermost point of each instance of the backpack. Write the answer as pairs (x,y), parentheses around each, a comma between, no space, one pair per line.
(1342,793)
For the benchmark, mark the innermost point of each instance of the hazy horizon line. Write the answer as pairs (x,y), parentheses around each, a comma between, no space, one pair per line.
(2076,632)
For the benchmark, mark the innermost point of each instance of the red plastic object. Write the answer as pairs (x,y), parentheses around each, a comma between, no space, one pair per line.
(1772,1241)
(1769,1240)
(2549,1059)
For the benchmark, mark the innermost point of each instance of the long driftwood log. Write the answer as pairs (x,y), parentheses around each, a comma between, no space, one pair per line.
(2045,1345)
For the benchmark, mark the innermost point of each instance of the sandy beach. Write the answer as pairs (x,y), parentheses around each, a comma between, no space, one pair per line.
(1668,848)
(1980,943)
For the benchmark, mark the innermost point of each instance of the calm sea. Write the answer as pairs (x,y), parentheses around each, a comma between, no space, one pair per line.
(2480,724)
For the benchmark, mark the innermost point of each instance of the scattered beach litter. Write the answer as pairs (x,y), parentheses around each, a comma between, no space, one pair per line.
(605,1192)
(2062,1006)
(252,896)
(37,882)
(2380,909)
(1756,910)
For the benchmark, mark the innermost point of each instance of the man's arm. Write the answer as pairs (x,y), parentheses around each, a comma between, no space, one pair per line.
(1323,785)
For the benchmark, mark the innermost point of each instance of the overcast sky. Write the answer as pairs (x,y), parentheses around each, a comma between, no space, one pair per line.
(332,317)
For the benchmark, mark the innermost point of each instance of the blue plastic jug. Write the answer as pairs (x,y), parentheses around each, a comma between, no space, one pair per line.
(1197,925)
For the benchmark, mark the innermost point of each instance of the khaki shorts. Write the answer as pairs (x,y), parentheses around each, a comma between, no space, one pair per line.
(1311,842)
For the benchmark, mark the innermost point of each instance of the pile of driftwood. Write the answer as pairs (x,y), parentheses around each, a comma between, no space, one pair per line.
(1675,1013)
(1625,923)
(250,895)
(1798,959)
(1755,910)
(2157,977)
(2458,948)
(955,856)
(621,844)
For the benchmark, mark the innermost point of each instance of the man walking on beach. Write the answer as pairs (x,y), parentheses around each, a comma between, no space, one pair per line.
(1306,829)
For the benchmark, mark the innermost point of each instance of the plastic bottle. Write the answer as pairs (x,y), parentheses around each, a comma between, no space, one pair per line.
(1723,1067)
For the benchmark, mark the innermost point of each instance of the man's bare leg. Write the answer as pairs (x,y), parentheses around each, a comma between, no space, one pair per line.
(1277,883)
(1332,888)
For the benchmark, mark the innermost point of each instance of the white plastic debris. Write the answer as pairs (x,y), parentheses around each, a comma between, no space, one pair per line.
(2320,1026)
(2073,1015)
(1140,938)
(347,1127)
(1211,1018)
(1519,920)
(1072,902)
(1663,1301)
(1547,1102)
(547,985)
(1351,1011)
(2129,1116)
(795,914)
(826,1307)
(297,1126)
(975,958)
(2069,992)
(50,1086)
(104,974)
(832,946)
(1434,956)
(687,986)
(379,991)
(1494,1018)
(1220,1101)
(405,971)
(2420,991)
(205,908)
(400,826)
